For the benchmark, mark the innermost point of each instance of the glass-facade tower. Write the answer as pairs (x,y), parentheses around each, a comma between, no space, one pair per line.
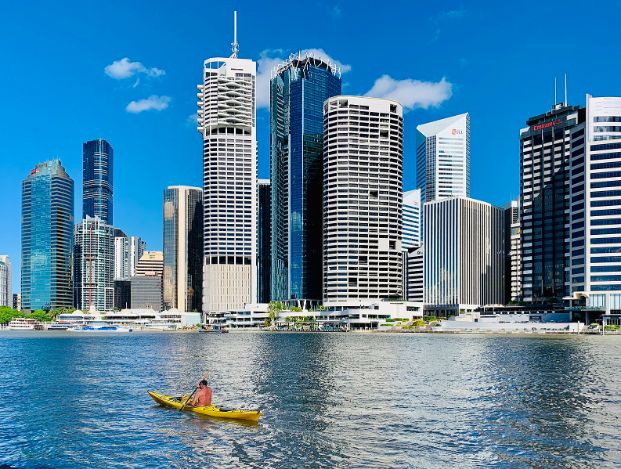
(298,91)
(264,257)
(97,159)
(47,237)
(183,248)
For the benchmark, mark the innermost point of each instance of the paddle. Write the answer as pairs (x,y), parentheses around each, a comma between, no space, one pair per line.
(205,376)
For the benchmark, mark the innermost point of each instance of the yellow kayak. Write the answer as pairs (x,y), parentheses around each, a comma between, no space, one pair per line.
(211,411)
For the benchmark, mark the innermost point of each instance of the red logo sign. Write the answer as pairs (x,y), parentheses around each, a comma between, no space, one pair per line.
(547,124)
(457,131)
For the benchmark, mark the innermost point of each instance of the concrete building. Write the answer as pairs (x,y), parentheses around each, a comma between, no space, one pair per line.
(127,252)
(443,158)
(93,271)
(47,237)
(513,252)
(183,248)
(414,274)
(146,285)
(97,169)
(227,124)
(595,211)
(6,288)
(412,220)
(264,242)
(463,255)
(299,88)
(363,199)
(545,152)
(17,301)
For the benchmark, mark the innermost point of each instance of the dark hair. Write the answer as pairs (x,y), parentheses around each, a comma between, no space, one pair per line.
(203,382)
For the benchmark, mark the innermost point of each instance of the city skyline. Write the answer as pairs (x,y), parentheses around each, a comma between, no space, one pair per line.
(152,70)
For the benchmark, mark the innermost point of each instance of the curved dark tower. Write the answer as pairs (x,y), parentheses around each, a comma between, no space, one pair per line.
(97,158)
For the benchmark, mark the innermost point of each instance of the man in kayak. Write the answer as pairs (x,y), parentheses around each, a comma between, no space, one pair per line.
(203,395)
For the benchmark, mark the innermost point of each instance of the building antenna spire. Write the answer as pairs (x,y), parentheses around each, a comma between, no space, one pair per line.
(234,44)
(565,89)
(555,101)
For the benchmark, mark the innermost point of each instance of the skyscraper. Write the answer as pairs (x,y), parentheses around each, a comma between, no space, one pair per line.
(227,124)
(443,158)
(47,237)
(412,217)
(363,198)
(6,288)
(93,258)
(513,252)
(545,152)
(298,90)
(264,248)
(97,166)
(183,248)
(595,268)
(463,255)
(127,252)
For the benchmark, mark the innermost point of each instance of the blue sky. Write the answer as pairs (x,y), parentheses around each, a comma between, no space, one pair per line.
(496,61)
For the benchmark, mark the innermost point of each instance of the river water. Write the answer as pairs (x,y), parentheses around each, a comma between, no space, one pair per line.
(329,399)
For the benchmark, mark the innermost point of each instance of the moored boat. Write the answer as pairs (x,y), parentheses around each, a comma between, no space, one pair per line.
(211,411)
(98,326)
(25,324)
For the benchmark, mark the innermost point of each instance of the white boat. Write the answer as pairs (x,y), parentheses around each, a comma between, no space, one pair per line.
(98,326)
(25,324)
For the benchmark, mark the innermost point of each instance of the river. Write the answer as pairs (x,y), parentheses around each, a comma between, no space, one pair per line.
(328,399)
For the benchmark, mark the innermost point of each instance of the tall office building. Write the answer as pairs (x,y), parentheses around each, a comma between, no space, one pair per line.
(545,151)
(97,166)
(595,268)
(47,237)
(363,199)
(298,90)
(264,246)
(6,288)
(412,217)
(513,252)
(127,252)
(227,124)
(183,248)
(463,255)
(443,158)
(93,271)
(414,273)
(146,285)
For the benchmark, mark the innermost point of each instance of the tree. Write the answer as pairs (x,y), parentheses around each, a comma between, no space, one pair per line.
(8,314)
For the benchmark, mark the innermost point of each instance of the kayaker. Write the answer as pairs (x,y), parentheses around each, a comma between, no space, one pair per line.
(203,395)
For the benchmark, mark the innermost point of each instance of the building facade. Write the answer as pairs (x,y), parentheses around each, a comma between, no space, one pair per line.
(414,274)
(122,294)
(595,267)
(443,158)
(146,285)
(463,255)
(127,252)
(47,237)
(227,124)
(363,200)
(513,252)
(298,90)
(545,151)
(6,287)
(93,260)
(183,248)
(97,166)
(264,241)
(412,220)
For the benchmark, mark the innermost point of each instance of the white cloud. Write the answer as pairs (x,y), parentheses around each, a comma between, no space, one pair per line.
(192,120)
(152,103)
(269,59)
(412,94)
(125,68)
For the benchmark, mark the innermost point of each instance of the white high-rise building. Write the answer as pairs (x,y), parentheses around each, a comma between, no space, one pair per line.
(513,252)
(93,272)
(127,252)
(595,266)
(412,217)
(227,123)
(6,288)
(463,255)
(443,158)
(362,187)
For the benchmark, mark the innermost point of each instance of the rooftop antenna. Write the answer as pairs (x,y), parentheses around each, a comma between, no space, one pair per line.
(234,44)
(565,89)
(555,101)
